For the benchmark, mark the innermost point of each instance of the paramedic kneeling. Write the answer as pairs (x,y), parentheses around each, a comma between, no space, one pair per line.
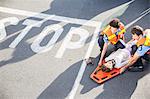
(112,34)
(142,50)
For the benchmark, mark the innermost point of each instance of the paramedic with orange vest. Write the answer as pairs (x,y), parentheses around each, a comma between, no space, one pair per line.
(112,34)
(142,49)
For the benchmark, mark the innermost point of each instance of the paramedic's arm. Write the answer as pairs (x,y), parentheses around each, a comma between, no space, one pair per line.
(103,53)
(140,52)
(131,61)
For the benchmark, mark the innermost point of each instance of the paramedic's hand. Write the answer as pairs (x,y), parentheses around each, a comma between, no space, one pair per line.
(122,70)
(100,63)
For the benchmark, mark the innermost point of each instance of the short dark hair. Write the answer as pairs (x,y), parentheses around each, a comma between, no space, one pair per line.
(137,30)
(114,23)
(105,69)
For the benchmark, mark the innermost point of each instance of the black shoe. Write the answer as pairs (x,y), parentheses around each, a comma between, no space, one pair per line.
(136,68)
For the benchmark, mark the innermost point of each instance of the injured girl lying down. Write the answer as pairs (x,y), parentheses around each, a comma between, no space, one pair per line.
(118,58)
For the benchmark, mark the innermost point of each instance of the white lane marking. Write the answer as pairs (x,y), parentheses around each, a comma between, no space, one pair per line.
(83,66)
(148,9)
(43,16)
(144,14)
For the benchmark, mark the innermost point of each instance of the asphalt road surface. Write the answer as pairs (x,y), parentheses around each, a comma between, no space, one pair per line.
(43,44)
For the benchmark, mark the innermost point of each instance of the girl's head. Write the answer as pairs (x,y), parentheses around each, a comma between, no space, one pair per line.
(108,66)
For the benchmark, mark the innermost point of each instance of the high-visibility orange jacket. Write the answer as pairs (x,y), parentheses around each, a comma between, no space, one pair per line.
(112,37)
(144,41)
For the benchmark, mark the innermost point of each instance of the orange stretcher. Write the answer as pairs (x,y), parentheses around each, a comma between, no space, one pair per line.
(99,76)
